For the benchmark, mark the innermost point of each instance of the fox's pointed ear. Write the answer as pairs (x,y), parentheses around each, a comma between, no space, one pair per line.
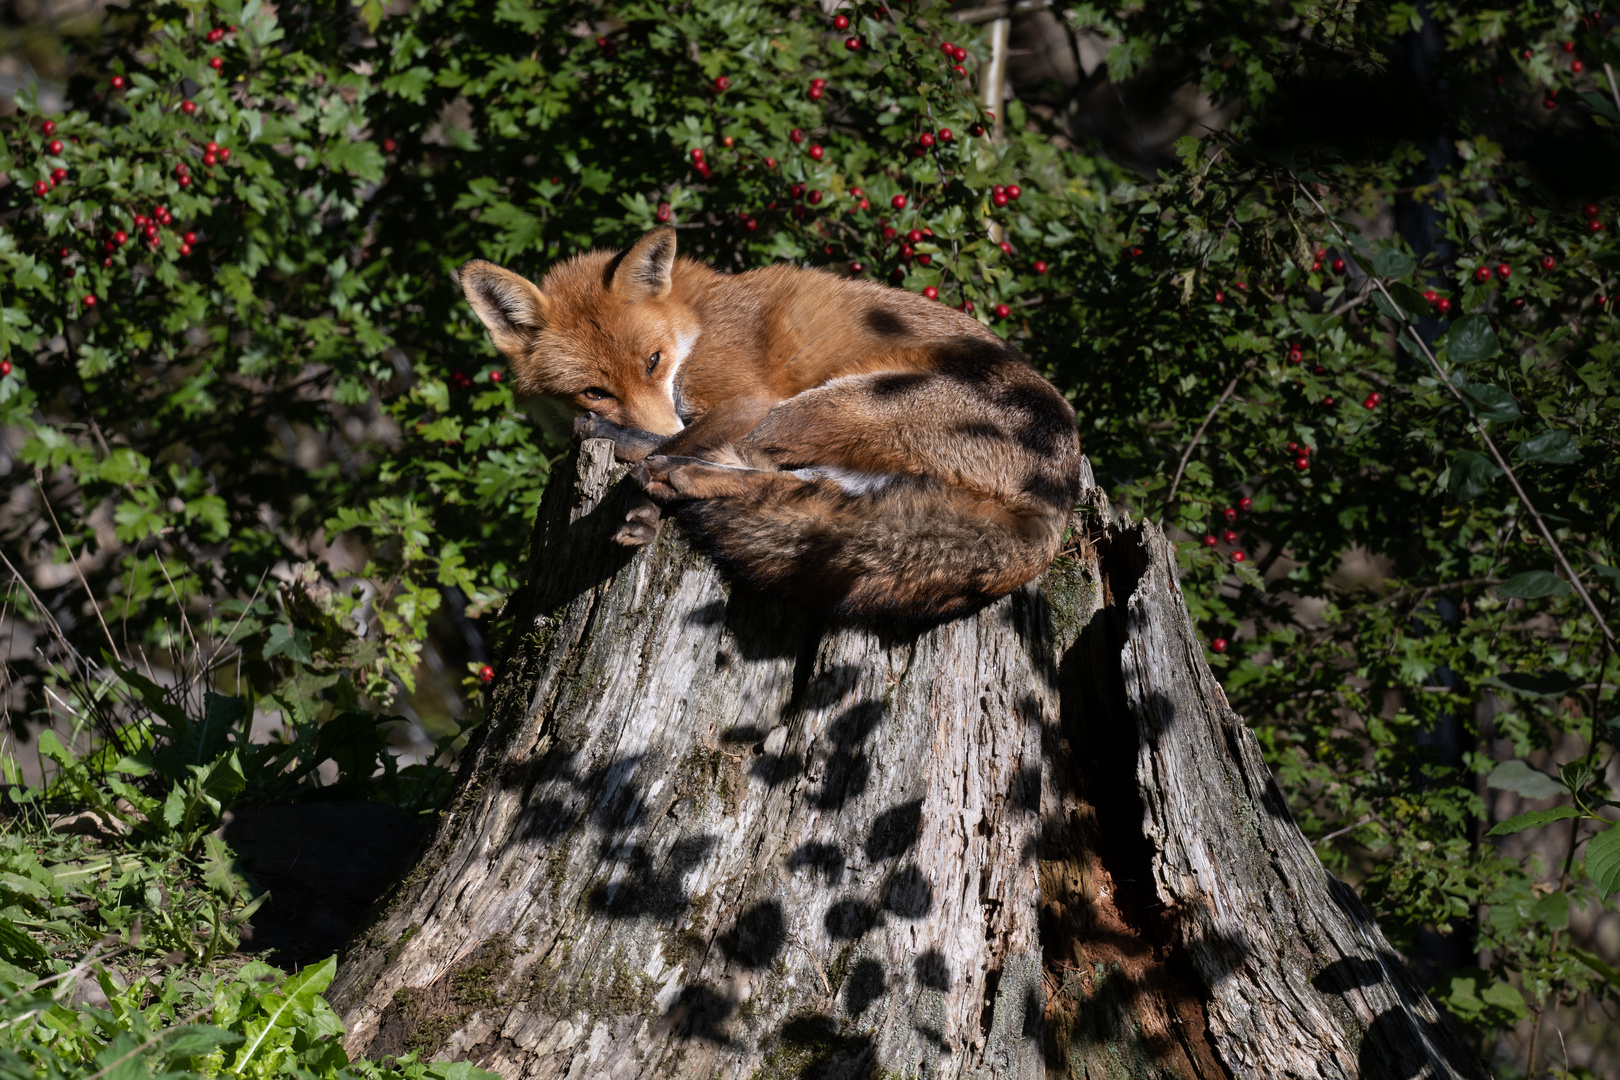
(511,306)
(644,272)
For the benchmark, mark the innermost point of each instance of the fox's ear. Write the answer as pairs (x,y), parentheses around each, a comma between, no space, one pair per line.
(511,306)
(643,272)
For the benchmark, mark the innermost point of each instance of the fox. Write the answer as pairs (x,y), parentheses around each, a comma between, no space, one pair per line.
(830,439)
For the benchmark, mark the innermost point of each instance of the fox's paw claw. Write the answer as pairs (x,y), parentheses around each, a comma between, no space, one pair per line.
(640,525)
(655,474)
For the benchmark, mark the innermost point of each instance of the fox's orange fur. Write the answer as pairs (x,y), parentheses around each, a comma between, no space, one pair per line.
(835,440)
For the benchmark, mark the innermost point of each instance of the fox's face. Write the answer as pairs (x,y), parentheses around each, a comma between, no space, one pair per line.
(601,332)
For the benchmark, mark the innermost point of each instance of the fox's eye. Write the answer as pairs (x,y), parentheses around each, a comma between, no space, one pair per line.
(652,361)
(595,393)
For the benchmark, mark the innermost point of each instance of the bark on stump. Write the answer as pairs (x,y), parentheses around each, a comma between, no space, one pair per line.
(707,834)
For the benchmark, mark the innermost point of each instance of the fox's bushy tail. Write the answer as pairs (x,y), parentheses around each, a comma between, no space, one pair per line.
(910,548)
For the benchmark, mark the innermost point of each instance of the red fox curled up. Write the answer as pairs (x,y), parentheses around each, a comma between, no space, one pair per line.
(834,440)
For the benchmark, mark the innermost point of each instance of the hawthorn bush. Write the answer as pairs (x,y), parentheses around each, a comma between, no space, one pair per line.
(247,402)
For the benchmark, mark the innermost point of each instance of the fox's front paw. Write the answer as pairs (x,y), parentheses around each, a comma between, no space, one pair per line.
(653,474)
(667,478)
(640,525)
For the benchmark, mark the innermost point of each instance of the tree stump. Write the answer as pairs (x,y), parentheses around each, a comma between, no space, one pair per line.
(706,834)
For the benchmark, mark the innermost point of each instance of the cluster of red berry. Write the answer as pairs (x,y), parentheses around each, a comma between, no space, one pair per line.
(957,55)
(55,147)
(1230,538)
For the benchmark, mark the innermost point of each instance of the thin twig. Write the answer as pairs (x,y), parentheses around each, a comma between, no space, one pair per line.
(39,482)
(1614,88)
(1479,429)
(1170,498)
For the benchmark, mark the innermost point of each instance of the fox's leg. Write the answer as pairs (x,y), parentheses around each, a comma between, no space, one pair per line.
(629,444)
(716,429)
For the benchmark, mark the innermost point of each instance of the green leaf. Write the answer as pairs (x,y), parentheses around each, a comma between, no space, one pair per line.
(1518,777)
(1387,309)
(1471,474)
(1596,963)
(1534,820)
(294,643)
(1603,860)
(1471,339)
(1533,585)
(1555,684)
(1390,263)
(1408,297)
(1611,574)
(1600,104)
(1550,448)
(1488,402)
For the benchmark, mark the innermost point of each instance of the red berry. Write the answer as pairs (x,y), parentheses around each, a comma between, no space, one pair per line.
(1238,556)
(852,44)
(117,82)
(1482,273)
(815,93)
(188,107)
(1136,252)
(1014,191)
(90,301)
(1548,262)
(960,70)
(959,54)
(190,238)
(1504,271)
(1594,226)
(915,236)
(926,140)
(185,181)
(55,146)
(1328,402)
(1302,463)
(931,292)
(797,135)
(1371,402)
(999,198)
(907,251)
(1220,297)
(215,34)
(1569,46)
(816,152)
(841,22)
(1518,303)
(795,191)
(216,63)
(1006,248)
(926,260)
(1002,311)
(945,135)
(41,187)
(1295,356)
(1550,103)
(1040,267)
(1316,265)
(601,42)
(63,252)
(224,153)
(818,84)
(486,673)
(967,306)
(976,130)
(1525,55)
(5,367)
(947,48)
(697,153)
(389,146)
(210,158)
(1442,305)
(722,83)
(1218,645)
(1590,210)
(814,197)
(1577,67)
(495,376)
(1230,515)
(1210,541)
(770,163)
(185,249)
(1229,536)
(1245,503)
(1338,266)
(48,127)
(898,202)
(856,267)
(150,232)
(1293,448)
(120,237)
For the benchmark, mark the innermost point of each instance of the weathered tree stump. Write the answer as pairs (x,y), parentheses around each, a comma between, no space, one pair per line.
(706,834)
